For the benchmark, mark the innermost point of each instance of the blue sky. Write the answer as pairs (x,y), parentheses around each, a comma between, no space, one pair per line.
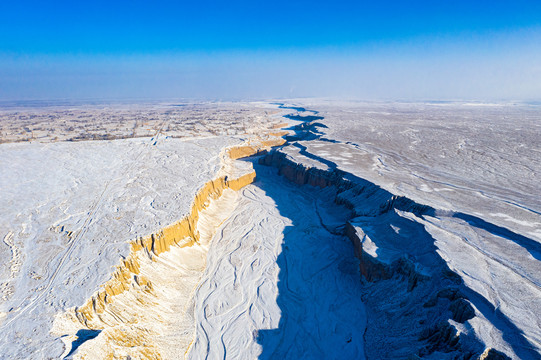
(240,49)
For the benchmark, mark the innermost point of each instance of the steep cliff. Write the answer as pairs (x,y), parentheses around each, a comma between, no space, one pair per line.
(417,306)
(146,308)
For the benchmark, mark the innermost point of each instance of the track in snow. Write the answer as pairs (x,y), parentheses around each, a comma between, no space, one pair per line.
(277,283)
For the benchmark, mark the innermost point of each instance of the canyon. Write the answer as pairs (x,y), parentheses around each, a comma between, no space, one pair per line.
(357,230)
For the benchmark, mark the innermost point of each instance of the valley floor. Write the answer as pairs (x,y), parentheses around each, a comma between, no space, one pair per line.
(278,283)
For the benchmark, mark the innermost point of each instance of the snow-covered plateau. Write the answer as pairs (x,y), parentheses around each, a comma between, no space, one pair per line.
(307,229)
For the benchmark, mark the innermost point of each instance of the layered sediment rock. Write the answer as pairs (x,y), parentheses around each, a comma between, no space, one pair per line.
(130,313)
(258,148)
(183,233)
(400,324)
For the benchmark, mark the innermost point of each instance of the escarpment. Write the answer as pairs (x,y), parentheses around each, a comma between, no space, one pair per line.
(146,308)
(416,304)
(183,233)
(258,148)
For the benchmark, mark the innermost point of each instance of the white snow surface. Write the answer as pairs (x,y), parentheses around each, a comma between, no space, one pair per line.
(277,283)
(278,280)
(477,168)
(100,193)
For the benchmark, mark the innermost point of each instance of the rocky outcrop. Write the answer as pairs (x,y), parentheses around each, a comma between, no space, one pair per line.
(492,354)
(125,313)
(396,282)
(301,175)
(183,233)
(370,268)
(259,148)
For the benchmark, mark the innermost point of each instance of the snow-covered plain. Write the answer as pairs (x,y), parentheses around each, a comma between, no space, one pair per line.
(68,210)
(447,196)
(440,203)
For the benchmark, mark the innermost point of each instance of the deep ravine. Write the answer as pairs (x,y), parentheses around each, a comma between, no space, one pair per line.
(304,260)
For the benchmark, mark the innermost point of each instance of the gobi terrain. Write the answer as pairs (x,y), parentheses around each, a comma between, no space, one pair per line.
(306,229)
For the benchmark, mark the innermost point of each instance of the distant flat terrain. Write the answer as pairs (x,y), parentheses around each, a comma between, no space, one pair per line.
(121,121)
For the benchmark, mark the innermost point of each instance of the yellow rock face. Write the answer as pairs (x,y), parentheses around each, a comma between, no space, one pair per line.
(280,125)
(279,133)
(250,150)
(119,308)
(182,233)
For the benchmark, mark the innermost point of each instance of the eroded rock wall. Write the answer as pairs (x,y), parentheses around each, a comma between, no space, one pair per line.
(415,304)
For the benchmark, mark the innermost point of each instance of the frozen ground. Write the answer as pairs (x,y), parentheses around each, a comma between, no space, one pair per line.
(68,210)
(447,216)
(279,282)
(439,201)
(480,159)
